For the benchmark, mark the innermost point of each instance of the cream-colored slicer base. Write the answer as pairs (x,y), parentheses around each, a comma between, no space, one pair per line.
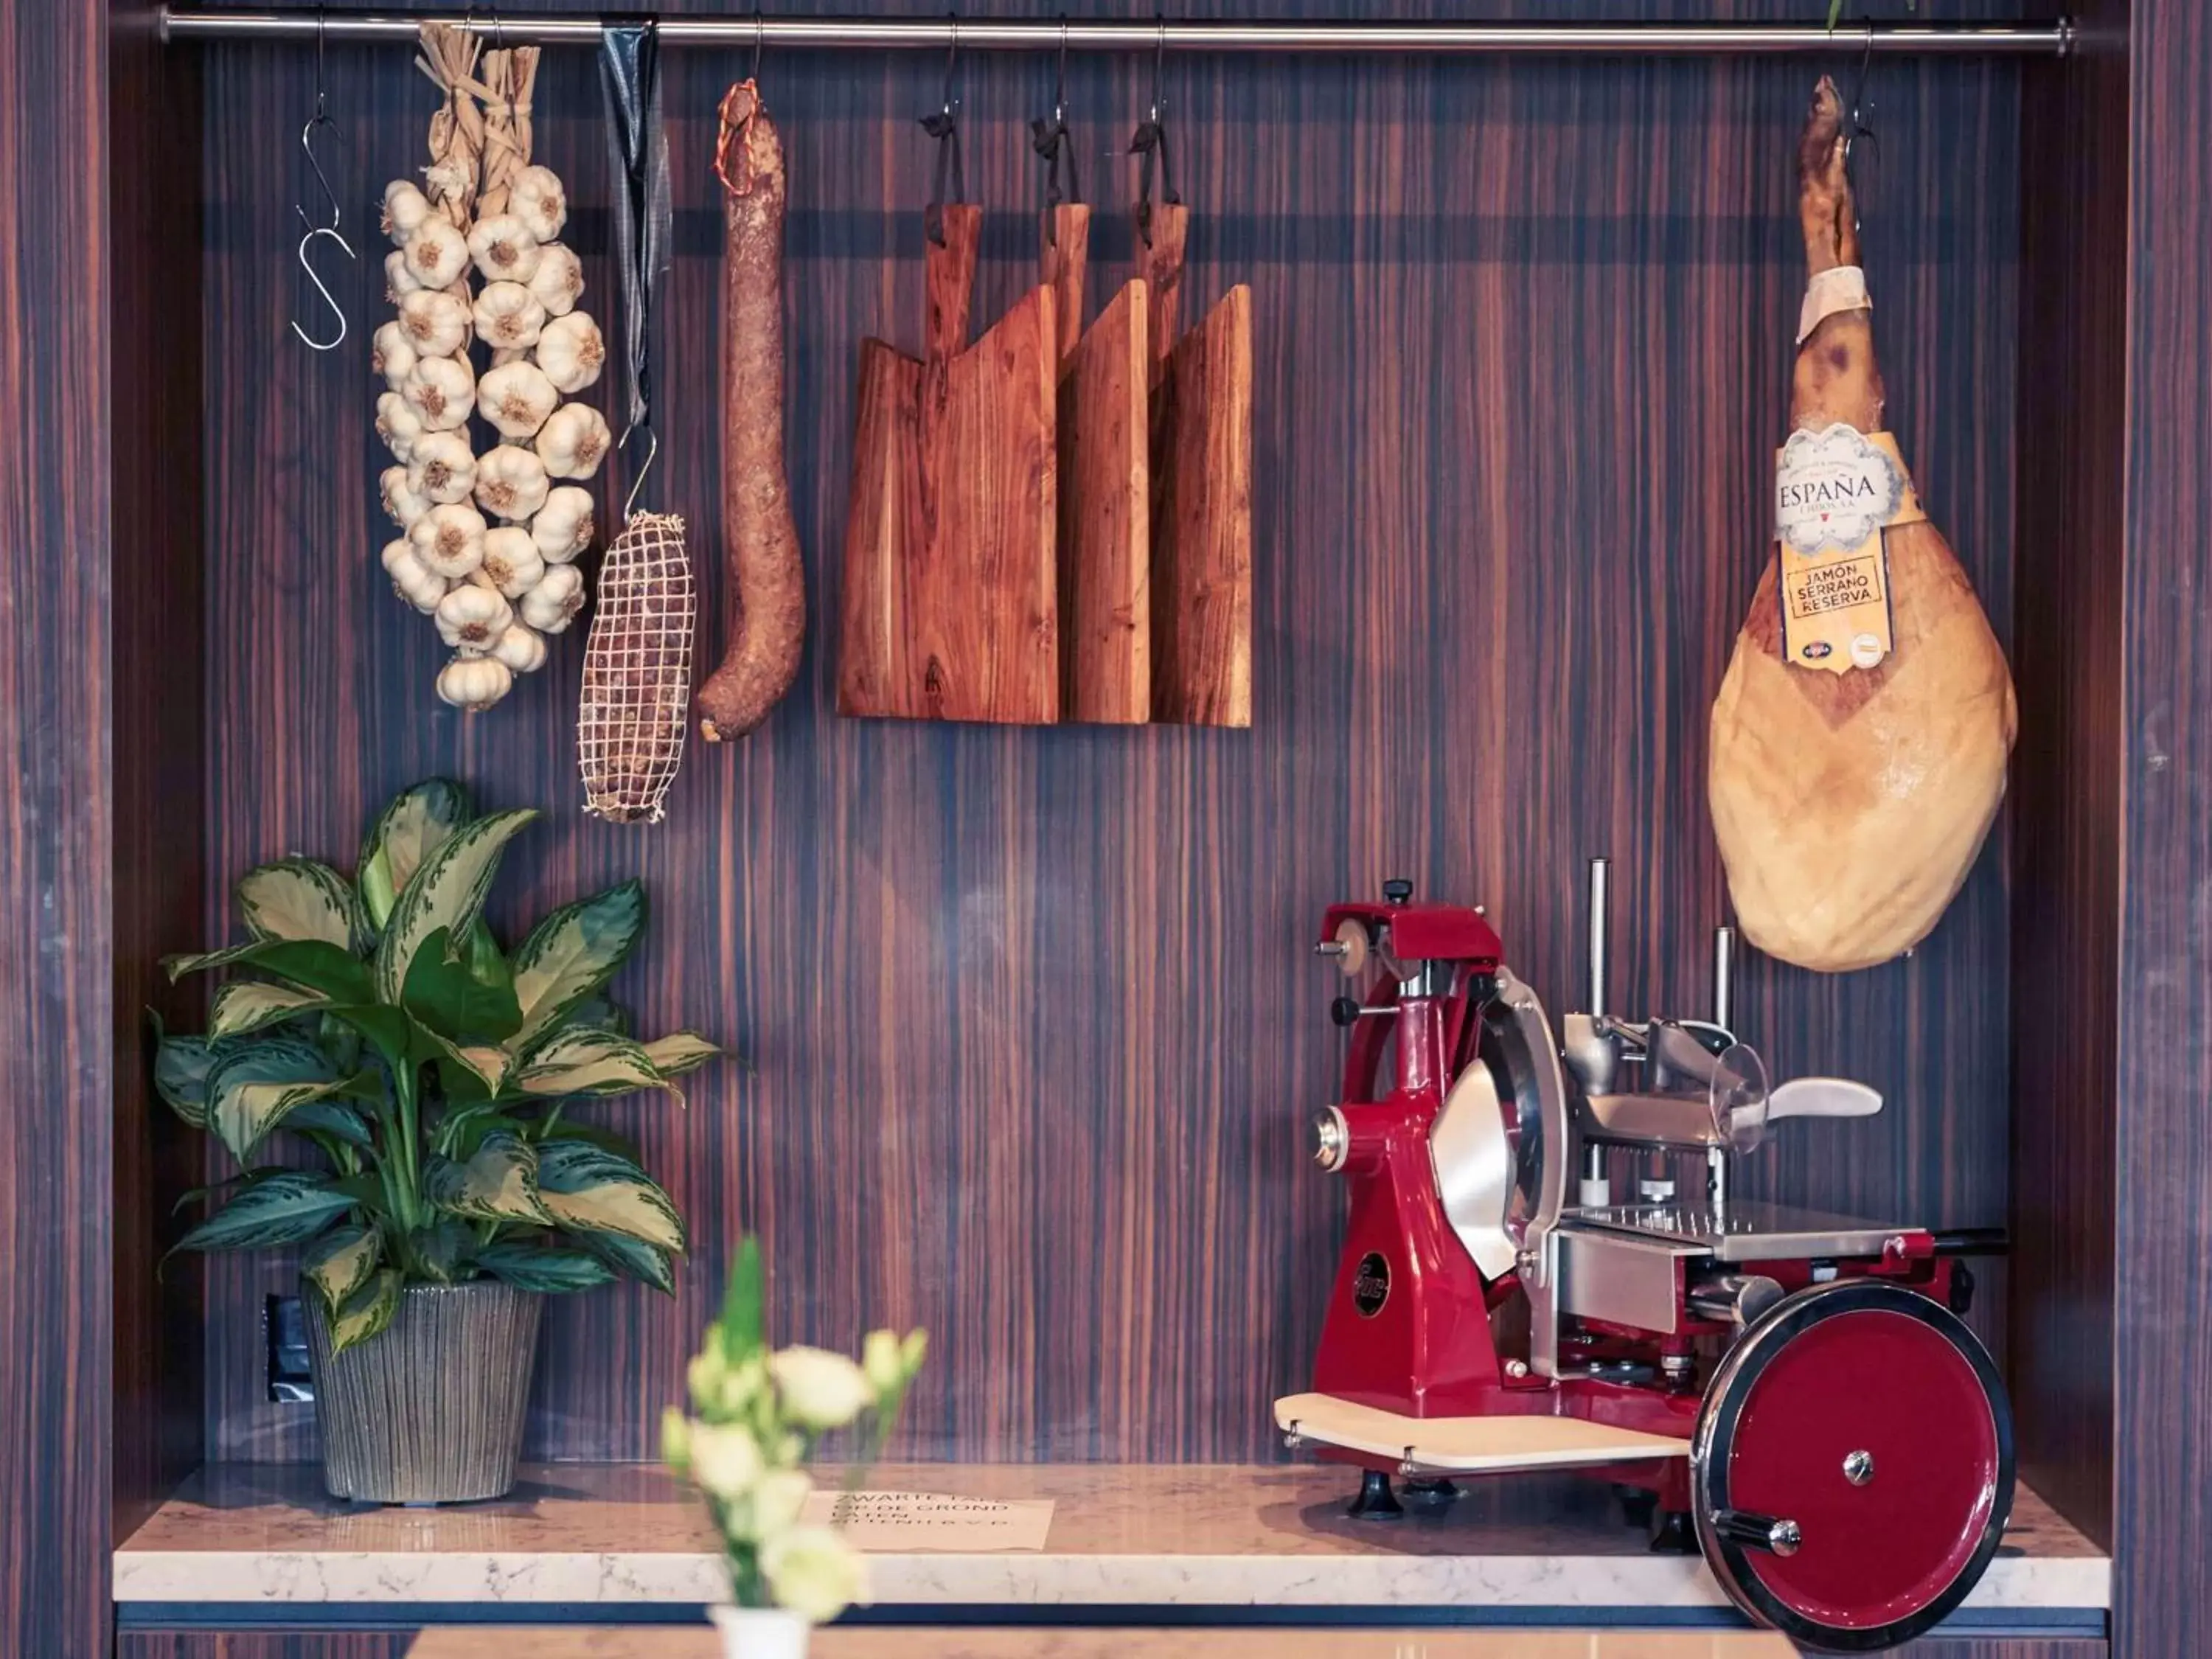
(1467,1446)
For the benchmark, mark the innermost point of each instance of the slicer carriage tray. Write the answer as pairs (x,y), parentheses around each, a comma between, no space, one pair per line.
(1747,1231)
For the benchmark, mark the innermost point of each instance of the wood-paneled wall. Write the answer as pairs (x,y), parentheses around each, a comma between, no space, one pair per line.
(56,924)
(2066,802)
(1032,1031)
(2162,1355)
(159,733)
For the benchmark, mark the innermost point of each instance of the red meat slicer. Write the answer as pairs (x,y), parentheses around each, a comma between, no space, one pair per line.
(1793,1389)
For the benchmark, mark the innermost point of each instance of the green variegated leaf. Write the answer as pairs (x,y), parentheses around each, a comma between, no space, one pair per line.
(486,1064)
(339,1263)
(528,1268)
(415,825)
(680,1052)
(330,1117)
(647,1263)
(447,892)
(181,1065)
(250,1088)
(500,1183)
(368,1313)
(595,1191)
(470,1002)
(247,1004)
(589,1062)
(572,953)
(288,1208)
(314,963)
(300,899)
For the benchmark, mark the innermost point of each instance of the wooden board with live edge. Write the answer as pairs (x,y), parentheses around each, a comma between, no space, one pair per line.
(1201,489)
(950,607)
(1105,528)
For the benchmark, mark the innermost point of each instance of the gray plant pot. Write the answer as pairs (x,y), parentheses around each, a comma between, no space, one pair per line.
(431,1410)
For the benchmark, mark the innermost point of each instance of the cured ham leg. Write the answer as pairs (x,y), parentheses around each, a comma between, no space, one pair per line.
(1849,806)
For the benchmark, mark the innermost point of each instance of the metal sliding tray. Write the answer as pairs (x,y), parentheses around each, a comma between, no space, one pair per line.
(1748,1231)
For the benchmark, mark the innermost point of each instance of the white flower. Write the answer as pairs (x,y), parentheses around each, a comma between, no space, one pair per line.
(723,1460)
(819,1389)
(814,1572)
(741,1386)
(883,1363)
(778,1498)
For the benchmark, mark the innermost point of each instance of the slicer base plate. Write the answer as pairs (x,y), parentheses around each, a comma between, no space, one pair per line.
(1468,1445)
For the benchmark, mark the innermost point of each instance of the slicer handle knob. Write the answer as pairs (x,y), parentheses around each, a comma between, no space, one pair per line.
(1822,1096)
(1397,890)
(1344,1010)
(1770,1532)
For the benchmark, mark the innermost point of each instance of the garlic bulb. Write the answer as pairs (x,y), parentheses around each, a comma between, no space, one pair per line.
(510,561)
(516,397)
(520,649)
(471,619)
(510,484)
(442,467)
(505,250)
(563,527)
(442,390)
(559,280)
(401,501)
(474,682)
(436,254)
(436,323)
(553,604)
(573,440)
(397,424)
(536,197)
(449,539)
(391,354)
(405,208)
(570,351)
(412,580)
(508,316)
(398,281)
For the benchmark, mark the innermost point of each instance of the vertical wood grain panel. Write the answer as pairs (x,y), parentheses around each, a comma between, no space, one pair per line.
(2162,1355)
(2066,772)
(1031,1027)
(154,118)
(55,919)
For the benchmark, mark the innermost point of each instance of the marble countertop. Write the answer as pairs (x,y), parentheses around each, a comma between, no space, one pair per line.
(1147,1534)
(851,1642)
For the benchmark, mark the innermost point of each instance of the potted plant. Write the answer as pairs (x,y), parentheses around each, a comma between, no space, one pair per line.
(756,1419)
(420,1080)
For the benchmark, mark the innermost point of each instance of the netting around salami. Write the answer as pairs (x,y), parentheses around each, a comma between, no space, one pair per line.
(637,672)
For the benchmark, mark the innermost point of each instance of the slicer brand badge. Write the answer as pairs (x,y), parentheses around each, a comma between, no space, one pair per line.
(1370,1286)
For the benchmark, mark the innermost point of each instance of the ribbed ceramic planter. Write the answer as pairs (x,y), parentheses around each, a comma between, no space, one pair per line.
(429,1412)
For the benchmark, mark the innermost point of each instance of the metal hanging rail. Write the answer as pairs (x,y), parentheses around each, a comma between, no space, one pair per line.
(985,34)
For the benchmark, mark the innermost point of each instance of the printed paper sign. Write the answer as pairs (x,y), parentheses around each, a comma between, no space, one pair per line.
(901,1522)
(1835,492)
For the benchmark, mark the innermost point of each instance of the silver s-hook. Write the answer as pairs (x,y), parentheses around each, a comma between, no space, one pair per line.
(321,121)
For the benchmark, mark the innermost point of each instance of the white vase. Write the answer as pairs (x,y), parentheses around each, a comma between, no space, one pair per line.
(760,1632)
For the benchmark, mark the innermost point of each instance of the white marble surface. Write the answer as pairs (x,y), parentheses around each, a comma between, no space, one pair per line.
(1165,1536)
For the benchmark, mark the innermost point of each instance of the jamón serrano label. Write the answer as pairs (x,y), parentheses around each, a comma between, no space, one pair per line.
(1835,492)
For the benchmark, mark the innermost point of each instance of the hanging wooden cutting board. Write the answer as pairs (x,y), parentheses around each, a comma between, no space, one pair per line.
(1202,486)
(950,607)
(1105,531)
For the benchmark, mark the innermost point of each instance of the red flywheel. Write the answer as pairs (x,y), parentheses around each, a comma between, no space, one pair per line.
(1852,1467)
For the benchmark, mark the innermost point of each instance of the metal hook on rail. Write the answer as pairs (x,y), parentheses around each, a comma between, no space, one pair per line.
(1050,138)
(760,39)
(1152,138)
(1857,126)
(945,127)
(320,120)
